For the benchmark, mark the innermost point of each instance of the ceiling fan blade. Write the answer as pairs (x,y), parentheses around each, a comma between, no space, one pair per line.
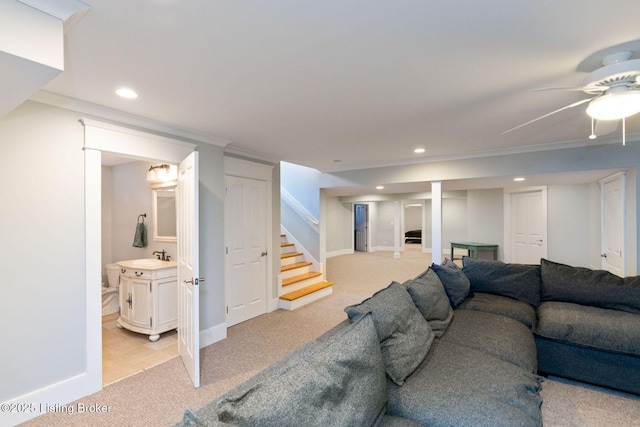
(604,127)
(575,104)
(576,88)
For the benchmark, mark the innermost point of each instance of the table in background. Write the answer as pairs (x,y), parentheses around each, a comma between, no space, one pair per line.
(473,248)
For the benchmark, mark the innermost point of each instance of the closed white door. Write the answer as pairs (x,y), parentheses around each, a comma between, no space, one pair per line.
(613,224)
(188,268)
(246,249)
(528,227)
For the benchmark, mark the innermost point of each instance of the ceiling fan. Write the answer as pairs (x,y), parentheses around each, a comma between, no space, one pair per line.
(615,94)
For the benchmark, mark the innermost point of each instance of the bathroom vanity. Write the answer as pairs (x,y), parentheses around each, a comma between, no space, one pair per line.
(148,296)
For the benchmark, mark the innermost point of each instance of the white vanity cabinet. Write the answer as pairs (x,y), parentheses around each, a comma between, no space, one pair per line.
(148,296)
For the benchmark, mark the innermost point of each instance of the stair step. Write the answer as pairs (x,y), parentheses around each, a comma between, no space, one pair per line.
(291,255)
(286,245)
(300,278)
(294,266)
(305,291)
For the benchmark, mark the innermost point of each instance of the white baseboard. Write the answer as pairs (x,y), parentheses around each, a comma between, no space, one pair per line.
(339,252)
(56,397)
(213,335)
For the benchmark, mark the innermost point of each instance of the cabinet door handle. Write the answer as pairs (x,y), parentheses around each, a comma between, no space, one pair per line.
(139,274)
(130,300)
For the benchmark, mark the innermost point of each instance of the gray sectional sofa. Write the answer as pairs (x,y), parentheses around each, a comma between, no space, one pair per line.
(452,347)
(586,322)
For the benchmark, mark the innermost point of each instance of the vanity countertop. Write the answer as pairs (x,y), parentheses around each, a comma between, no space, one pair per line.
(147,264)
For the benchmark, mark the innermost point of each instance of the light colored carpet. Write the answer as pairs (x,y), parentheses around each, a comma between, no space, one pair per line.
(159,395)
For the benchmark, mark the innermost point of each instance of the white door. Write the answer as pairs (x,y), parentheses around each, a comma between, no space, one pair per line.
(528,227)
(188,271)
(246,261)
(613,224)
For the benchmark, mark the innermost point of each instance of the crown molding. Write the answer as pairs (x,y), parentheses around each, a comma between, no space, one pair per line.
(68,11)
(120,117)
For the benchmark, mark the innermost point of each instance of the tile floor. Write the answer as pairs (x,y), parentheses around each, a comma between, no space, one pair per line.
(126,353)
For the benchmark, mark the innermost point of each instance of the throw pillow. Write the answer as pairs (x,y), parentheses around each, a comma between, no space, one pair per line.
(454,281)
(342,383)
(428,295)
(518,281)
(405,336)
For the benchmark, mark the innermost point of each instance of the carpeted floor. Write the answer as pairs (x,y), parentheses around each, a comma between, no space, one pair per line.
(159,395)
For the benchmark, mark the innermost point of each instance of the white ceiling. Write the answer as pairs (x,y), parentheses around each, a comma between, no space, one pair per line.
(339,85)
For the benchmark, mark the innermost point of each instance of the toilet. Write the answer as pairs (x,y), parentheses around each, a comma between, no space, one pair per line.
(110,300)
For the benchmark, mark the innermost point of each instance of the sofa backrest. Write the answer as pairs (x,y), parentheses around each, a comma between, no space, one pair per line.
(597,288)
(518,281)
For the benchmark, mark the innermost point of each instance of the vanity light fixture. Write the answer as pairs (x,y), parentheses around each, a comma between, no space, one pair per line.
(162,173)
(125,92)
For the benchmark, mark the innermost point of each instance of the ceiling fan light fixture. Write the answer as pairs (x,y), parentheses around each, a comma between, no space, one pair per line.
(615,105)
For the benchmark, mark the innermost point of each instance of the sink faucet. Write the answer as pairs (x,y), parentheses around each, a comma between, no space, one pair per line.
(162,255)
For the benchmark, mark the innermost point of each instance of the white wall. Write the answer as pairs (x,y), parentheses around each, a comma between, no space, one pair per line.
(42,311)
(568,224)
(412,218)
(485,217)
(339,220)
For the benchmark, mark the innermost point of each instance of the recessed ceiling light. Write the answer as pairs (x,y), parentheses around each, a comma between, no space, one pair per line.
(518,179)
(380,187)
(419,150)
(126,93)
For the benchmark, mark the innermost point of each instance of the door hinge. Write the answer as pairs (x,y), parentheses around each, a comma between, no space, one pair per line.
(227,309)
(227,250)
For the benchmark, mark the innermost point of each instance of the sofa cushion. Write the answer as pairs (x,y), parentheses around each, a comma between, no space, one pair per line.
(500,336)
(342,382)
(460,386)
(505,306)
(518,281)
(429,296)
(593,327)
(597,288)
(454,281)
(405,336)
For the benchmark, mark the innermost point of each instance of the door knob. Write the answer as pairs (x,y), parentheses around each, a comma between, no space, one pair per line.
(264,253)
(603,255)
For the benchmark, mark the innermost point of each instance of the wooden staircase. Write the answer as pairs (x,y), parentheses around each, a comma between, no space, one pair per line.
(300,285)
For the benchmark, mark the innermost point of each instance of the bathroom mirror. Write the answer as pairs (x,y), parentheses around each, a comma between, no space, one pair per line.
(164,212)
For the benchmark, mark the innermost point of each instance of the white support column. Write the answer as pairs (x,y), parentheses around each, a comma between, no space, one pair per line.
(396,229)
(436,222)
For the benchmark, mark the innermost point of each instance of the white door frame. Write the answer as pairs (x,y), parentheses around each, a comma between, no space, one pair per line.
(252,170)
(622,177)
(102,137)
(508,226)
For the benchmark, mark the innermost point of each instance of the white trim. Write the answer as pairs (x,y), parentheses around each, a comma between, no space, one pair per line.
(96,110)
(339,252)
(436,220)
(299,209)
(133,143)
(622,175)
(213,335)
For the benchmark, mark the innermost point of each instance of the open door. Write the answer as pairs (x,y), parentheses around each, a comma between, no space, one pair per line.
(188,269)
(360,227)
